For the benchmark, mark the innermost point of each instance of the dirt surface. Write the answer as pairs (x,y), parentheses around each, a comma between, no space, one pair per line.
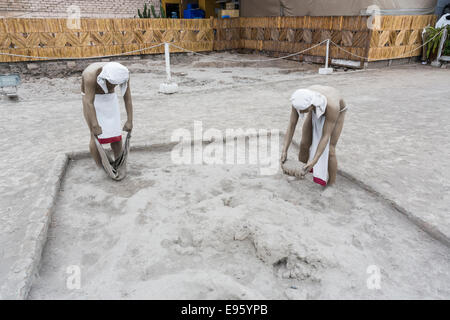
(226,232)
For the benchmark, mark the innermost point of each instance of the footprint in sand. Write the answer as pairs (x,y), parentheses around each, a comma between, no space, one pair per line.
(89,259)
(227,185)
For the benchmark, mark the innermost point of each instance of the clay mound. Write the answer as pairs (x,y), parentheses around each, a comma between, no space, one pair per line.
(293,168)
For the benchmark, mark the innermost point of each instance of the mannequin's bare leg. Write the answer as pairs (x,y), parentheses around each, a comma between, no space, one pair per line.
(94,152)
(92,147)
(305,144)
(116,148)
(332,160)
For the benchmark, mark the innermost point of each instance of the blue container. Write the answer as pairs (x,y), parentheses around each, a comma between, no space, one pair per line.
(193,14)
(191,6)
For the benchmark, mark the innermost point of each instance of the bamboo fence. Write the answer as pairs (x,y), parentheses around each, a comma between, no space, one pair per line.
(294,34)
(397,36)
(394,37)
(100,37)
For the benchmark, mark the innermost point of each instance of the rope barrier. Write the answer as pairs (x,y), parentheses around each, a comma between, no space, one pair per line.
(402,56)
(251,60)
(221,59)
(160,44)
(81,58)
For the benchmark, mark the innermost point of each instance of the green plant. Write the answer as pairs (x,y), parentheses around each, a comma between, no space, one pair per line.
(446,50)
(151,12)
(162,13)
(436,35)
(145,13)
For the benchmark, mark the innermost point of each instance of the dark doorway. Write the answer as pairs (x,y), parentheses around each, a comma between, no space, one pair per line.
(172,10)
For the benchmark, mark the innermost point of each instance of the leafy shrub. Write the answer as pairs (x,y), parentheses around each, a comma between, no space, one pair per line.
(149,12)
(436,35)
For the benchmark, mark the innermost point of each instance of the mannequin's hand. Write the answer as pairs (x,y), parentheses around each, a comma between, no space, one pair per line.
(96,130)
(128,126)
(307,168)
(283,157)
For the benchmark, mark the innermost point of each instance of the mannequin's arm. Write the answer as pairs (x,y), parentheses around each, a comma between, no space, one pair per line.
(129,108)
(289,134)
(88,107)
(328,127)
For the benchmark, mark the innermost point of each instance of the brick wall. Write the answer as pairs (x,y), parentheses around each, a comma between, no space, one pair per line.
(58,8)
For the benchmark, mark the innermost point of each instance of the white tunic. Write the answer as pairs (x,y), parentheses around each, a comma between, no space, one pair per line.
(108,117)
(320,170)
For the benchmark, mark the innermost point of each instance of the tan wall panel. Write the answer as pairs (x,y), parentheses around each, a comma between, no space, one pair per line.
(269,8)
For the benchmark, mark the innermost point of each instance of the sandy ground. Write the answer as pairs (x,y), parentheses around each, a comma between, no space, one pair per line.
(396,135)
(226,232)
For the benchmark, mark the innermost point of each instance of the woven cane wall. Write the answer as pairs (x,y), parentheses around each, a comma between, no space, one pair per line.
(396,37)
(393,36)
(399,36)
(100,37)
(294,34)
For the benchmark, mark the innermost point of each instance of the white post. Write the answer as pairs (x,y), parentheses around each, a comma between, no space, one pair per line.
(167,55)
(168,87)
(326,70)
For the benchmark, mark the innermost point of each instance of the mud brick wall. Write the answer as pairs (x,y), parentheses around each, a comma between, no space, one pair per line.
(58,8)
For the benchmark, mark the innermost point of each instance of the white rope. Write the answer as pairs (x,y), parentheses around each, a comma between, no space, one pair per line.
(403,55)
(250,60)
(220,59)
(160,44)
(80,58)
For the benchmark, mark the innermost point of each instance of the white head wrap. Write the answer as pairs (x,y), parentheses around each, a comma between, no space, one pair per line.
(302,99)
(115,73)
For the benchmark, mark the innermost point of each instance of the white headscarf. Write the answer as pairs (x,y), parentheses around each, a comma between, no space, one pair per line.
(115,73)
(302,99)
